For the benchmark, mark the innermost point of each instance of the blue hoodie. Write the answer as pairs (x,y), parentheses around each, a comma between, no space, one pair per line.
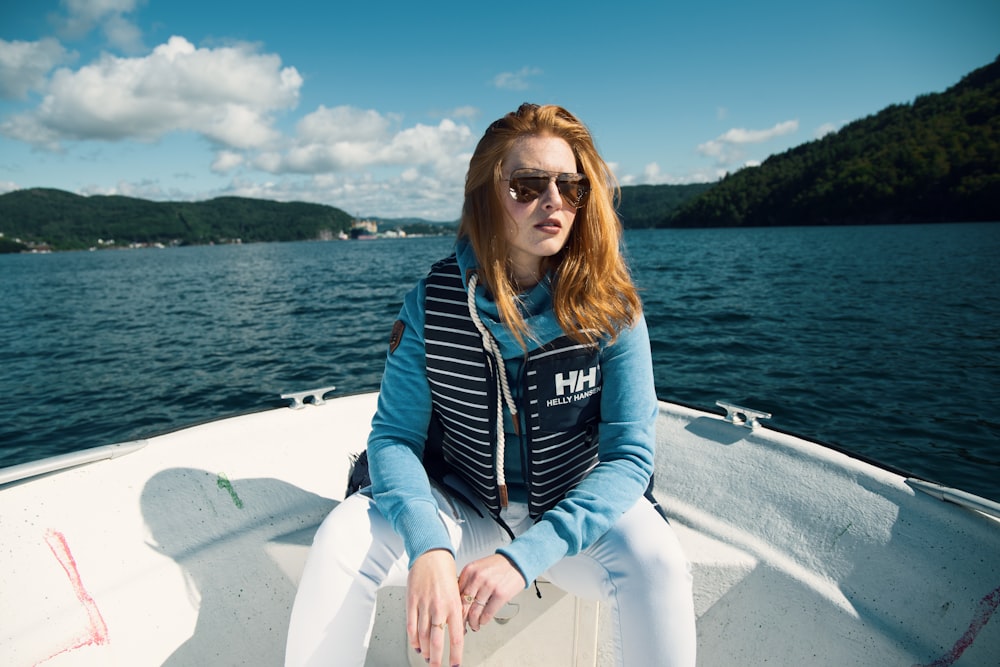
(627,435)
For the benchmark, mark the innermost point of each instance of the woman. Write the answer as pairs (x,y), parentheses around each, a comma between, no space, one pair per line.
(514,434)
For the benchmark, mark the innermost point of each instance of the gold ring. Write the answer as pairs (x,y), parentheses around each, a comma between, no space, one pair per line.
(468,598)
(440,626)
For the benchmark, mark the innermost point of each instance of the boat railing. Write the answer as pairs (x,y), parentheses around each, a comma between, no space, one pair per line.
(23,471)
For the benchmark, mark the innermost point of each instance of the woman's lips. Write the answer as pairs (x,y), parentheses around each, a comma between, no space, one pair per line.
(549,226)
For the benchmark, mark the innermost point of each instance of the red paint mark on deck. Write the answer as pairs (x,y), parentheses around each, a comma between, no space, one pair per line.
(96,632)
(987,606)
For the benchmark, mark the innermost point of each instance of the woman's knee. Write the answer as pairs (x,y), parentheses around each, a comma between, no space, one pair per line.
(646,541)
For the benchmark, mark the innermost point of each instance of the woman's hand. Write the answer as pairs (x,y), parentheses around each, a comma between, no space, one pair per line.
(433,604)
(487,585)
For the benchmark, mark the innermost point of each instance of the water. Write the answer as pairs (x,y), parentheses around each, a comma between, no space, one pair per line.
(884,340)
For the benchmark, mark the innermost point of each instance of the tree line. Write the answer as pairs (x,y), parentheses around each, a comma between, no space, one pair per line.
(934,160)
(65,221)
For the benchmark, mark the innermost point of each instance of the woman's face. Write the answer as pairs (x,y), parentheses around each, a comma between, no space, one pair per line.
(539,228)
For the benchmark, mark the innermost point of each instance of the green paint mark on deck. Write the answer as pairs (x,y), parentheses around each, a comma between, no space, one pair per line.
(226,485)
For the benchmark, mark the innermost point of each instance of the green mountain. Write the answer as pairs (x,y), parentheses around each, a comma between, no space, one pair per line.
(935,160)
(65,221)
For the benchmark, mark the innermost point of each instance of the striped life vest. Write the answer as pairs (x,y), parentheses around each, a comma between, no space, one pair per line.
(561,397)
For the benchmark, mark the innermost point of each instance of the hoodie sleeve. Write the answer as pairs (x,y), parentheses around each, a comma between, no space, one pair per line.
(400,486)
(625,462)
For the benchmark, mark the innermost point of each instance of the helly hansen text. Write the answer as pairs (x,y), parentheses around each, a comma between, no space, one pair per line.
(578,384)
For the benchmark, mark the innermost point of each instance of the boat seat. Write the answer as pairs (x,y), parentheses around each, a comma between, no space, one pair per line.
(556,629)
(540,631)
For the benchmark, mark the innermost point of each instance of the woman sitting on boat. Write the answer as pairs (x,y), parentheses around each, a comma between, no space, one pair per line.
(514,436)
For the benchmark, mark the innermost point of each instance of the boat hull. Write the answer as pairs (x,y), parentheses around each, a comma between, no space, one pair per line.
(186,549)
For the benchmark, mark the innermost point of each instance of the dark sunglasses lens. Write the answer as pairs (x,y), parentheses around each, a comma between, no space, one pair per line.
(528,188)
(573,191)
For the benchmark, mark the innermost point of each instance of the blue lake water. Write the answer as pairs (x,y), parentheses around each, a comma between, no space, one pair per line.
(883,340)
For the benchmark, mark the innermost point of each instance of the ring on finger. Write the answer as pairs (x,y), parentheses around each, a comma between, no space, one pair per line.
(479,602)
(439,626)
(468,599)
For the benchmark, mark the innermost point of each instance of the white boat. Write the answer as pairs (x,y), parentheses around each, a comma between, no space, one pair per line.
(186,548)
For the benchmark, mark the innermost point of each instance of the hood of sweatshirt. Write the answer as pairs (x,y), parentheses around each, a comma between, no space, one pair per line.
(536,307)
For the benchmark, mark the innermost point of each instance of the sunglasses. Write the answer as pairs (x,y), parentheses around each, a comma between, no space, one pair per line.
(527,185)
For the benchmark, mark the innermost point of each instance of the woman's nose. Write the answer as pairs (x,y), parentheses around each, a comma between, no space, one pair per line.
(552,196)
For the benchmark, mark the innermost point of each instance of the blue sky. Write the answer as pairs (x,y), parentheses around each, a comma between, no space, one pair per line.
(375,107)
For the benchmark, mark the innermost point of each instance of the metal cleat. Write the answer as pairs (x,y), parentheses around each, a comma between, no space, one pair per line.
(741,416)
(299,398)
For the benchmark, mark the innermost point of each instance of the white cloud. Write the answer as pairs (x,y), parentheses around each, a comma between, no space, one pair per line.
(346,138)
(24,66)
(92,11)
(26,128)
(123,34)
(516,80)
(728,149)
(362,161)
(466,112)
(743,136)
(409,194)
(226,161)
(227,94)
(826,128)
(651,174)
(144,189)
(82,16)
(425,144)
(342,124)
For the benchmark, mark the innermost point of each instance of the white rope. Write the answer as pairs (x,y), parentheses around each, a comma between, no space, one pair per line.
(490,345)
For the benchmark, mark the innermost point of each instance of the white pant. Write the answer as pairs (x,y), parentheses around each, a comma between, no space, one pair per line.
(637,568)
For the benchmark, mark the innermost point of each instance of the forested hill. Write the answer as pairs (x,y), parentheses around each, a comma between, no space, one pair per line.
(67,221)
(934,160)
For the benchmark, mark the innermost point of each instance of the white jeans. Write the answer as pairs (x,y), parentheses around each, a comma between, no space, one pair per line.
(637,568)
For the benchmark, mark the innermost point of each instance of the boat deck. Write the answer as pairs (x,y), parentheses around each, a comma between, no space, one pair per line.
(186,550)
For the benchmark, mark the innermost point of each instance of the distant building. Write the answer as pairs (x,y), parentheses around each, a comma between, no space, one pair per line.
(364,229)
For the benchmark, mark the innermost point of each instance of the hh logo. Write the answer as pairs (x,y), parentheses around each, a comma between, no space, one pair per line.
(573,382)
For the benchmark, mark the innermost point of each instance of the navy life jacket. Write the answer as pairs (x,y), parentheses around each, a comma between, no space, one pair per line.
(561,398)
(562,385)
